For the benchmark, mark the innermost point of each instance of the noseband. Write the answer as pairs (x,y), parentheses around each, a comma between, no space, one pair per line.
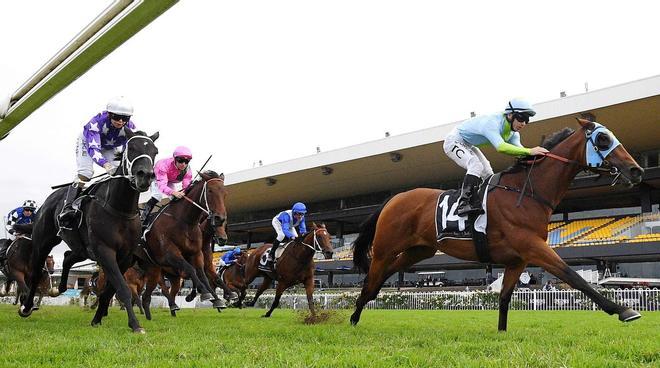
(127,164)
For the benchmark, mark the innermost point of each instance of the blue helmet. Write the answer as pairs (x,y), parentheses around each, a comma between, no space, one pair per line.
(518,105)
(237,250)
(299,207)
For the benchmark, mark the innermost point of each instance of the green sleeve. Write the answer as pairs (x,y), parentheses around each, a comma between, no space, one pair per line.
(512,150)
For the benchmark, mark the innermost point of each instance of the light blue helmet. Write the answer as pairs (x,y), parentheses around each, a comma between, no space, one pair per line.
(299,207)
(518,105)
(237,250)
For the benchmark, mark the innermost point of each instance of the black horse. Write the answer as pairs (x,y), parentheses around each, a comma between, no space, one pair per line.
(109,225)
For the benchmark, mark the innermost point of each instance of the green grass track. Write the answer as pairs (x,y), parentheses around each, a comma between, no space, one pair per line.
(62,337)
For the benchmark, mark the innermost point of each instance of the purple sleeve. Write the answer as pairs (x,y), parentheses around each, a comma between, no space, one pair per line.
(92,135)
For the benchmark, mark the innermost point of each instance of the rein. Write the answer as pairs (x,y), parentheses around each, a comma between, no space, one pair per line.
(317,245)
(203,194)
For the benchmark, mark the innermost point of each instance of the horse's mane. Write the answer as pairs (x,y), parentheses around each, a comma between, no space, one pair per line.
(548,143)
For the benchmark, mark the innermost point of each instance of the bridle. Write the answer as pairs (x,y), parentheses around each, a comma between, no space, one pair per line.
(316,247)
(203,198)
(127,164)
(598,165)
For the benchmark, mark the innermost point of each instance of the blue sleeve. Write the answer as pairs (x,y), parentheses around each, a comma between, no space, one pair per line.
(286,224)
(301,226)
(493,137)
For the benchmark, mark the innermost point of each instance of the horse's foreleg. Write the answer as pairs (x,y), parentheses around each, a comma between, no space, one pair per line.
(511,276)
(181,264)
(115,275)
(264,285)
(542,255)
(174,290)
(309,290)
(146,296)
(278,294)
(70,258)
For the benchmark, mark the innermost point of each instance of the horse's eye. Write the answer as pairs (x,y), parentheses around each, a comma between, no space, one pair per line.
(603,141)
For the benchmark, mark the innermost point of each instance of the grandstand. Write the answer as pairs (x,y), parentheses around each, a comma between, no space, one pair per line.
(597,225)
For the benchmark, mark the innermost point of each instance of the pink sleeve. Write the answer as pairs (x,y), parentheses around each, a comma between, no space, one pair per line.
(186,179)
(161,179)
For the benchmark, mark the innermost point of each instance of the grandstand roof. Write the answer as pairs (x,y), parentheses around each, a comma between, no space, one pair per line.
(631,110)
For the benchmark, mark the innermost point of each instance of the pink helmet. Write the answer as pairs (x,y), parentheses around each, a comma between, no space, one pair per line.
(182,151)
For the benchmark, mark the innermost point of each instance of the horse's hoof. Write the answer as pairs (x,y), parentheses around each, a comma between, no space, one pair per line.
(206,296)
(24,312)
(96,324)
(174,308)
(231,296)
(629,315)
(139,330)
(190,297)
(36,307)
(219,303)
(266,316)
(53,292)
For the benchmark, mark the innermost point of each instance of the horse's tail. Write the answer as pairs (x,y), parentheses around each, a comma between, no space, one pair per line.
(362,245)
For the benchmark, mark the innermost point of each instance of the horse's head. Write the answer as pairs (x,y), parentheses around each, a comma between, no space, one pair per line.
(242,258)
(321,239)
(212,197)
(604,153)
(137,160)
(50,264)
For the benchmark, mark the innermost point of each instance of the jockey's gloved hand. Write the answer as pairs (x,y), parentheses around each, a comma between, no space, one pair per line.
(109,168)
(11,231)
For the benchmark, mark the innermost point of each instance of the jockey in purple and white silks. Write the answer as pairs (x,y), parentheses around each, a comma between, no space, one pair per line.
(500,130)
(96,145)
(285,224)
(173,176)
(20,215)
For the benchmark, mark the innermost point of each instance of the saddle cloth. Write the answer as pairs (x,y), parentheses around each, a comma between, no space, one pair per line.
(263,261)
(449,225)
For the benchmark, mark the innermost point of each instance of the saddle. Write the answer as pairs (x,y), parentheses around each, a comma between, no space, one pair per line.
(449,225)
(271,267)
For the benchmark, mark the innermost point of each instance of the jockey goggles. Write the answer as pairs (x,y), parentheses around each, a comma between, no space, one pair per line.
(182,160)
(522,117)
(124,118)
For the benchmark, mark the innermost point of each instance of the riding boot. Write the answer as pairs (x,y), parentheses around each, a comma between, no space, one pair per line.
(147,210)
(68,215)
(271,254)
(467,203)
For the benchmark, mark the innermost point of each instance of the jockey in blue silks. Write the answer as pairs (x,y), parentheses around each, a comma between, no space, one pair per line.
(285,224)
(21,215)
(500,130)
(229,258)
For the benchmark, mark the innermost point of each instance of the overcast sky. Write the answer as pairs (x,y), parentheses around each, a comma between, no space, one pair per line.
(272,80)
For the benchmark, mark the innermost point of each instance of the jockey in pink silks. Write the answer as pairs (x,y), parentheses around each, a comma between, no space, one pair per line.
(172,178)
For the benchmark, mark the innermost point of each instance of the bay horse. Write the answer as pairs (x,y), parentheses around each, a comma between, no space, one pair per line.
(175,240)
(295,265)
(233,276)
(402,232)
(109,225)
(18,268)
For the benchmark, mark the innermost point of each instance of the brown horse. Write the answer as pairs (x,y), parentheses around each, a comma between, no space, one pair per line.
(175,240)
(234,277)
(402,232)
(18,268)
(295,265)
(155,275)
(135,279)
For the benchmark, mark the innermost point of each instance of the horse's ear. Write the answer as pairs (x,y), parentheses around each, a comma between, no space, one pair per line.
(129,133)
(204,176)
(222,176)
(586,124)
(314,225)
(155,136)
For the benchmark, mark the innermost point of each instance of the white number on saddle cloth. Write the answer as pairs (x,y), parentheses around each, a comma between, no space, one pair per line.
(264,257)
(449,214)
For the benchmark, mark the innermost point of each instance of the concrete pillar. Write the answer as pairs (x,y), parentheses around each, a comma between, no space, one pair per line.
(331,277)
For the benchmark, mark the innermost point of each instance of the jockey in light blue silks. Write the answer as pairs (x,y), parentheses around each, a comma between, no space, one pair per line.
(96,145)
(285,224)
(501,130)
